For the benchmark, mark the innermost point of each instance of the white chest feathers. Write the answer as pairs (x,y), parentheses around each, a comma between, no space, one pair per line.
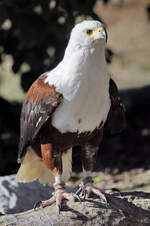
(86,100)
(84,113)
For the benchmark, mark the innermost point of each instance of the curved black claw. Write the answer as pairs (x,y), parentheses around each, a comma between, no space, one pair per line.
(84,192)
(79,190)
(103,197)
(116,190)
(76,196)
(37,205)
(59,208)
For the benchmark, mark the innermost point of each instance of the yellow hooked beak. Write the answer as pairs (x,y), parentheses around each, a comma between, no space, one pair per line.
(92,32)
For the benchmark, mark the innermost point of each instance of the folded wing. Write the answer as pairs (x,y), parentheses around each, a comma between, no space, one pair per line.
(39,104)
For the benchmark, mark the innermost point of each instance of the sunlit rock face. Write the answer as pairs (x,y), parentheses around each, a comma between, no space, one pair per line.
(15,197)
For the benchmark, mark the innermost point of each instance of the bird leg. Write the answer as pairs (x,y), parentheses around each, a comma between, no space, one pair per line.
(53,162)
(89,153)
(86,188)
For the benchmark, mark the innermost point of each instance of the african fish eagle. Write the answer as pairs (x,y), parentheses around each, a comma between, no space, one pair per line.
(69,106)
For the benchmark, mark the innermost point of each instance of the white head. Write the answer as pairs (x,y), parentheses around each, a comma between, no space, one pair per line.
(84,55)
(88,32)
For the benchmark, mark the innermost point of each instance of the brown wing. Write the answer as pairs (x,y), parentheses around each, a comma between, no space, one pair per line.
(116,121)
(41,101)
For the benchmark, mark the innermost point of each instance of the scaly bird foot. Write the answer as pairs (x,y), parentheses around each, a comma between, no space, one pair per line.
(87,188)
(59,195)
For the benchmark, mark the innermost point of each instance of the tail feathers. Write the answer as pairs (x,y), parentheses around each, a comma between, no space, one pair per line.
(33,168)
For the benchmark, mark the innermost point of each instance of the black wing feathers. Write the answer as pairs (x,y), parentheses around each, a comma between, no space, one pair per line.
(116,121)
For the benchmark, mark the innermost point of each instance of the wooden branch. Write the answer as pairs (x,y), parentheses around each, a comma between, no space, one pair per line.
(130,208)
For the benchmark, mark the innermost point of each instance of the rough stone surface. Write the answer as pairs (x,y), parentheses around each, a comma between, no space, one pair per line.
(125,209)
(18,197)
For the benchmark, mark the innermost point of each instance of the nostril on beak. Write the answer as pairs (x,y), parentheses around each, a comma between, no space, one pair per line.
(100,29)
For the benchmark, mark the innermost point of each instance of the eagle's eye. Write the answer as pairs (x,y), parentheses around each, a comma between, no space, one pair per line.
(89,31)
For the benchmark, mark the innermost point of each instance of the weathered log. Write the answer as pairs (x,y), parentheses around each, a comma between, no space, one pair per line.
(124,209)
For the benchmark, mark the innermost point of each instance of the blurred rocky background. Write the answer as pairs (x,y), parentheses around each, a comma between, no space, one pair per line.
(33,36)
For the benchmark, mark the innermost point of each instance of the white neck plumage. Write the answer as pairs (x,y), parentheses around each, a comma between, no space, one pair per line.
(79,62)
(79,65)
